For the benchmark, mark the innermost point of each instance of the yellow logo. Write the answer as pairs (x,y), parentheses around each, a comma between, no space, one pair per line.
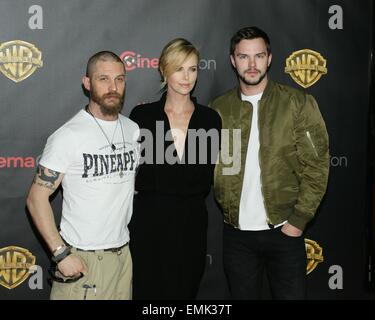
(314,254)
(19,59)
(306,67)
(15,263)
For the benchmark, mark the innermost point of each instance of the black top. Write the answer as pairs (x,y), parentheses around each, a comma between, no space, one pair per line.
(194,173)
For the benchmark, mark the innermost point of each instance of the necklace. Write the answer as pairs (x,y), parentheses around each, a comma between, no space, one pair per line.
(112,145)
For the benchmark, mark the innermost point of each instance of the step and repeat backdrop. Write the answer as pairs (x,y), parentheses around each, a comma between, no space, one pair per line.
(320,46)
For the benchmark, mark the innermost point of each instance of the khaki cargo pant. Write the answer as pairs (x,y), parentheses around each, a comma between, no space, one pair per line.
(109,277)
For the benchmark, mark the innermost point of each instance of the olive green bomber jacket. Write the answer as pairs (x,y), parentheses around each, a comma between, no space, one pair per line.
(293,154)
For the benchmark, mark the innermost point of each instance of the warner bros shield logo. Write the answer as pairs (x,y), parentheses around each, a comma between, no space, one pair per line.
(15,264)
(306,67)
(314,254)
(19,59)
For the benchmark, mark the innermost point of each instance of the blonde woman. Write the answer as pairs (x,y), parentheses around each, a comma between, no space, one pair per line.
(169,223)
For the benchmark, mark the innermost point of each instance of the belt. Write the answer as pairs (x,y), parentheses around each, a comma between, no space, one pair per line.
(114,250)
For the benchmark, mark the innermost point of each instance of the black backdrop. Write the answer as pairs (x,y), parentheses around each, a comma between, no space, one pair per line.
(68,32)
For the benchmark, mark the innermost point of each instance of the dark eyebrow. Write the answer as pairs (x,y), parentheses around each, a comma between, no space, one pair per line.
(106,75)
(245,54)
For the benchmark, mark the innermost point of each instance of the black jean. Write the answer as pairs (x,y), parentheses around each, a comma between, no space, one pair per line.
(247,254)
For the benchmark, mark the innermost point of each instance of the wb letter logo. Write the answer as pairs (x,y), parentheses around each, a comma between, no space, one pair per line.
(15,263)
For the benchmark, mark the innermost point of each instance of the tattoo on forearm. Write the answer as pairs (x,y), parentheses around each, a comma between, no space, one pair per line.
(46,177)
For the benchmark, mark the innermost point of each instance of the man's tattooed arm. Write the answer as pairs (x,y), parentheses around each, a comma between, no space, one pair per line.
(46,181)
(46,178)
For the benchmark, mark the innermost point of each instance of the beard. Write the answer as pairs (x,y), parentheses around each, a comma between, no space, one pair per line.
(253,82)
(106,107)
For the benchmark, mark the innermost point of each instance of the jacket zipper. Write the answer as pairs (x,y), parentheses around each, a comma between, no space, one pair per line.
(312,143)
(244,161)
(260,164)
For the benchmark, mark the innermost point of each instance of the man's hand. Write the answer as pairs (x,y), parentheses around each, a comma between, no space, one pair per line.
(290,230)
(72,266)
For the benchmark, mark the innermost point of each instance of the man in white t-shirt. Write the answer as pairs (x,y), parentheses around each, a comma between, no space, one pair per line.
(269,198)
(94,157)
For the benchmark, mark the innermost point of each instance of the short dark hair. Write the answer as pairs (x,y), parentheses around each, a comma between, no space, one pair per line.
(101,56)
(249,33)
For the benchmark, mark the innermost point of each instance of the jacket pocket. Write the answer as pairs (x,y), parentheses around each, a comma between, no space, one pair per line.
(317,140)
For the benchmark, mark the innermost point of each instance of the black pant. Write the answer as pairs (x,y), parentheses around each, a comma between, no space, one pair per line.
(247,254)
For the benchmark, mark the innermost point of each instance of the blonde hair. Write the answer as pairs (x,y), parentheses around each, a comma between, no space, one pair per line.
(174,54)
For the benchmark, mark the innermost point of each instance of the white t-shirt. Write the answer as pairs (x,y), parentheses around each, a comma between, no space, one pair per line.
(252,214)
(98,185)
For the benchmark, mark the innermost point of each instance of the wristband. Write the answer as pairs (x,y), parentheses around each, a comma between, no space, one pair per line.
(59,250)
(62,255)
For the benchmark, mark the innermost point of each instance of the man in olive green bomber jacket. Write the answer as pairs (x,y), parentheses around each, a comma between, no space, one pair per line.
(272,173)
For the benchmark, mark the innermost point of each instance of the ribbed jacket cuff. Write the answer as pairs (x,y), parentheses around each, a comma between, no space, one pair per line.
(298,219)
